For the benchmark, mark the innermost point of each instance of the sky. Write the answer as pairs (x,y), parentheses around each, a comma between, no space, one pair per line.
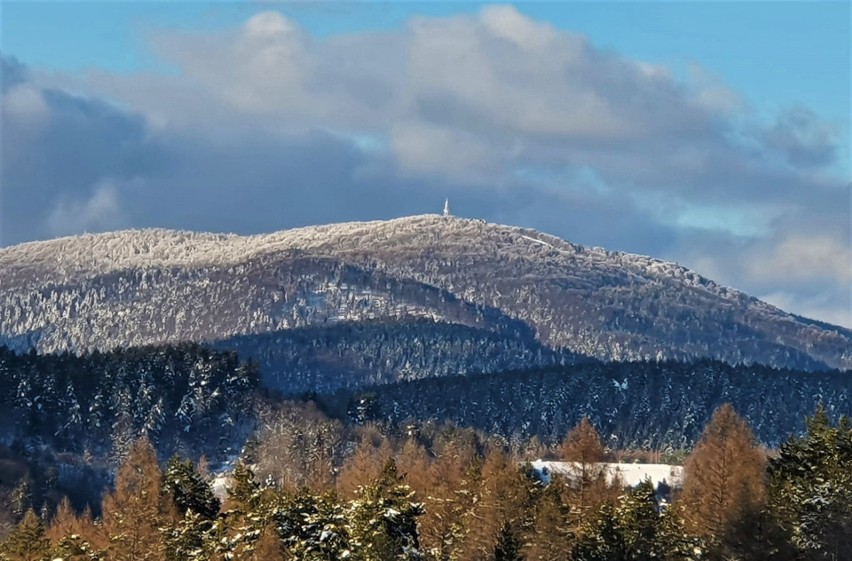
(714,134)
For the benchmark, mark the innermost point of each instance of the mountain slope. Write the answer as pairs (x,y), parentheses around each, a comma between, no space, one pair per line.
(324,359)
(138,287)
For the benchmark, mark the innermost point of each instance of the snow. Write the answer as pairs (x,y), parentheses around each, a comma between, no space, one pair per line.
(536,241)
(630,474)
(221,477)
(220,485)
(76,256)
(84,292)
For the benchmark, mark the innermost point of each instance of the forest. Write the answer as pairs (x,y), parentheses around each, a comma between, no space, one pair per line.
(451,495)
(651,405)
(180,452)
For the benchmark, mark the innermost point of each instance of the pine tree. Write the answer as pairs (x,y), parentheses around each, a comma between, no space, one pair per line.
(639,523)
(313,528)
(600,538)
(677,543)
(194,501)
(189,539)
(632,530)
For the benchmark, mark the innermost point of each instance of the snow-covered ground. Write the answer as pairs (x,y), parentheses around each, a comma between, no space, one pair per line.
(630,474)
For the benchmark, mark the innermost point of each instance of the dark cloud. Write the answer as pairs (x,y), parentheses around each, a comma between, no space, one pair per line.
(11,72)
(60,151)
(803,138)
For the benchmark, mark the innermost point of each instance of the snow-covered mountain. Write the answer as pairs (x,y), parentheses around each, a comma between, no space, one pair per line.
(146,286)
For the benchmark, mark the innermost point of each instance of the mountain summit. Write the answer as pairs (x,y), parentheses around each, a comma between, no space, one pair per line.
(145,286)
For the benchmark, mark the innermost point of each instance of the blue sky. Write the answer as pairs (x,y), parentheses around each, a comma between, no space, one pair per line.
(715,134)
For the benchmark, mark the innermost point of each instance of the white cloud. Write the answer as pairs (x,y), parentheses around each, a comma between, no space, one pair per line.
(270,25)
(100,212)
(819,306)
(802,138)
(505,21)
(25,104)
(806,257)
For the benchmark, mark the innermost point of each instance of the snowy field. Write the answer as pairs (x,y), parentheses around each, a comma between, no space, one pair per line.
(630,474)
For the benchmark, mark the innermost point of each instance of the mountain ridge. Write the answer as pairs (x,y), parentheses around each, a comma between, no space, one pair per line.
(283,239)
(64,294)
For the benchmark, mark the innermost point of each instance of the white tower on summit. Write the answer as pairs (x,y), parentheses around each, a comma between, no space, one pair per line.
(446,207)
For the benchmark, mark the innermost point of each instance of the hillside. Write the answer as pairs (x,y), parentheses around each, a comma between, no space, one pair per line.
(642,405)
(323,359)
(157,286)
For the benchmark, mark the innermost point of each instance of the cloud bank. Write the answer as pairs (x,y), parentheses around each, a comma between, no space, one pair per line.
(264,127)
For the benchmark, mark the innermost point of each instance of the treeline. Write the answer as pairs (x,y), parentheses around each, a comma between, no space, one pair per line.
(451,495)
(651,405)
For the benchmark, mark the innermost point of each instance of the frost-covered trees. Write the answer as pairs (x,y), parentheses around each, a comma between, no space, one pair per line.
(653,406)
(78,294)
(181,398)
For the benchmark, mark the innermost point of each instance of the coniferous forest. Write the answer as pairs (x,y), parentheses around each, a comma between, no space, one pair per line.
(172,453)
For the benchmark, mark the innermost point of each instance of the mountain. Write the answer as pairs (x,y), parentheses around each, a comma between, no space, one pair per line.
(162,286)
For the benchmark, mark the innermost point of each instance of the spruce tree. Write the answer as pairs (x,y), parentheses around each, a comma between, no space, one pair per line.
(383,520)
(508,547)
(75,548)
(811,489)
(189,490)
(243,490)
